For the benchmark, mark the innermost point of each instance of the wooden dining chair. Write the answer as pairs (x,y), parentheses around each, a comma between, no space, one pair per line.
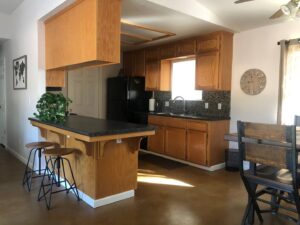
(271,152)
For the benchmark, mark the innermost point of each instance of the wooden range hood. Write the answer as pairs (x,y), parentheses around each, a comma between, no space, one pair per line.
(86,33)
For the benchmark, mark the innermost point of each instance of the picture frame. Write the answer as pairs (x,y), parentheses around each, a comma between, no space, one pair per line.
(20,73)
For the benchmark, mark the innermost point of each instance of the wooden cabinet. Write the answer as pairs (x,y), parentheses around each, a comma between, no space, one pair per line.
(139,63)
(158,76)
(156,142)
(168,51)
(207,71)
(186,47)
(55,78)
(196,141)
(152,75)
(134,63)
(128,63)
(85,33)
(152,54)
(208,43)
(214,61)
(175,142)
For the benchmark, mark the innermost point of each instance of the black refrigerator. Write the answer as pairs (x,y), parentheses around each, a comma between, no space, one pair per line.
(127,100)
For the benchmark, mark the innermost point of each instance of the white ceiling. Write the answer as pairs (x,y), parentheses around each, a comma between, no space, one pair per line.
(8,6)
(188,18)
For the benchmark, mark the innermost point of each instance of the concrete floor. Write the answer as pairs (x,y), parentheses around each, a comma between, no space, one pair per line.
(196,197)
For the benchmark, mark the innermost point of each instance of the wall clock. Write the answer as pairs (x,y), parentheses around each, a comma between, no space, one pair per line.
(253,81)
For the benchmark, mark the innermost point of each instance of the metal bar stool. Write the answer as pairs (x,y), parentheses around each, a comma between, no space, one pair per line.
(57,175)
(36,148)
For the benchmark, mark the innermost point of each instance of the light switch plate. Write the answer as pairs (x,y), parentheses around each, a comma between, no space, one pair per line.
(206,105)
(167,103)
(219,106)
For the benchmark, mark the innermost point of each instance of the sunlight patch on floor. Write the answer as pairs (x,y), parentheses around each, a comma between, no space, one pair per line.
(161,179)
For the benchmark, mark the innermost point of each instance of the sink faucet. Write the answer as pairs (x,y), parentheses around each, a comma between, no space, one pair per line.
(183,101)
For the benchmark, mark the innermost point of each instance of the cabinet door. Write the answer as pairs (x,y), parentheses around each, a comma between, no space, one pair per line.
(139,63)
(208,44)
(196,147)
(152,75)
(186,47)
(207,71)
(152,54)
(168,51)
(128,63)
(175,142)
(156,143)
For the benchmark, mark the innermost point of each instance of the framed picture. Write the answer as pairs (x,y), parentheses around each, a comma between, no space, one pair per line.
(20,73)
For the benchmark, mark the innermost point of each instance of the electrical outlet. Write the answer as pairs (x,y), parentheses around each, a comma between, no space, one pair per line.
(219,106)
(206,105)
(167,103)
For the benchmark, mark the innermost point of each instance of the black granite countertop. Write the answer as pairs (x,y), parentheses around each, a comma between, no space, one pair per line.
(186,116)
(93,127)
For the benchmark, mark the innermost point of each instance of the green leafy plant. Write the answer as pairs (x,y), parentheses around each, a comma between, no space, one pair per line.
(52,107)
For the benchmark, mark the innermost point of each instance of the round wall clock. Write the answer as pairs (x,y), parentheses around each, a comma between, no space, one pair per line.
(253,81)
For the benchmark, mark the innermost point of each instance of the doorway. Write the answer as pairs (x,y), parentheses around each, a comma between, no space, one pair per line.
(2,102)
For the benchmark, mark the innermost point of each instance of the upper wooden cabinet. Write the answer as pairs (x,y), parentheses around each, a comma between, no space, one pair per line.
(214,61)
(139,63)
(152,54)
(208,43)
(85,33)
(168,51)
(186,47)
(158,75)
(134,63)
(55,78)
(207,70)
(128,63)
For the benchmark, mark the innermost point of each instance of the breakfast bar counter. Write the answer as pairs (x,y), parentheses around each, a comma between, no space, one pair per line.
(105,166)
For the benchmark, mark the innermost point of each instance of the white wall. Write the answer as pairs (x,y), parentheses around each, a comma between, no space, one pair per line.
(258,49)
(5,28)
(24,41)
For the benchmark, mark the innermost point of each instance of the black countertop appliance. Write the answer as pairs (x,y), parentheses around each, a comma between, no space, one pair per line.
(127,100)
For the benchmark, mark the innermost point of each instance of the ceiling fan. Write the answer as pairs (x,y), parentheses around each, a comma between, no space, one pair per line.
(290,9)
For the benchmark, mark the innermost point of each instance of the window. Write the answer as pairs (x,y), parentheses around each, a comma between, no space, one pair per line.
(290,105)
(183,80)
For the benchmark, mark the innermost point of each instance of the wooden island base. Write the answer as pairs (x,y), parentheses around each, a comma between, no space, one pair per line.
(105,167)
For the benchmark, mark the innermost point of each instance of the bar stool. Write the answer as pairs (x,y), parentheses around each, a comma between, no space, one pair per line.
(57,169)
(37,148)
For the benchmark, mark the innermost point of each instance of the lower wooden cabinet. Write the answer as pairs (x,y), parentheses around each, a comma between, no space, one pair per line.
(156,143)
(196,141)
(196,147)
(175,142)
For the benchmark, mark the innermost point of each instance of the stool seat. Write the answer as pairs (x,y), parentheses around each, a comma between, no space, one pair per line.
(59,151)
(41,144)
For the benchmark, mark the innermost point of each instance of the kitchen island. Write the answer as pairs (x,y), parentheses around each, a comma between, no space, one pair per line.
(105,167)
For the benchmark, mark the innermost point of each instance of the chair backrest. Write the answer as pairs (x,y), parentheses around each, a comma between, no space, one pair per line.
(267,144)
(297,121)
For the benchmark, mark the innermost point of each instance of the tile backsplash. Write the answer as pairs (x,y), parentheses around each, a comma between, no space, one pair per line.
(213,98)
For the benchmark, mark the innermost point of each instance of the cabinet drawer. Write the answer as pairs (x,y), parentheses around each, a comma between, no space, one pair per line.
(201,126)
(157,120)
(175,122)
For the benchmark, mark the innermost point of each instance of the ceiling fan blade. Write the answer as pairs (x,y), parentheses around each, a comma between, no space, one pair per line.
(242,1)
(277,14)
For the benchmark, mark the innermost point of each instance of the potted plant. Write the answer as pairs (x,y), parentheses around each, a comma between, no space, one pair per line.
(52,107)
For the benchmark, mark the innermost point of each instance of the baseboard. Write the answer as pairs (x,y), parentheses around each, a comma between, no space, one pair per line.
(18,156)
(210,168)
(106,200)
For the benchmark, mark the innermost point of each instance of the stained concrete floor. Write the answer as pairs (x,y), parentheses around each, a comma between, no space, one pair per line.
(196,197)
